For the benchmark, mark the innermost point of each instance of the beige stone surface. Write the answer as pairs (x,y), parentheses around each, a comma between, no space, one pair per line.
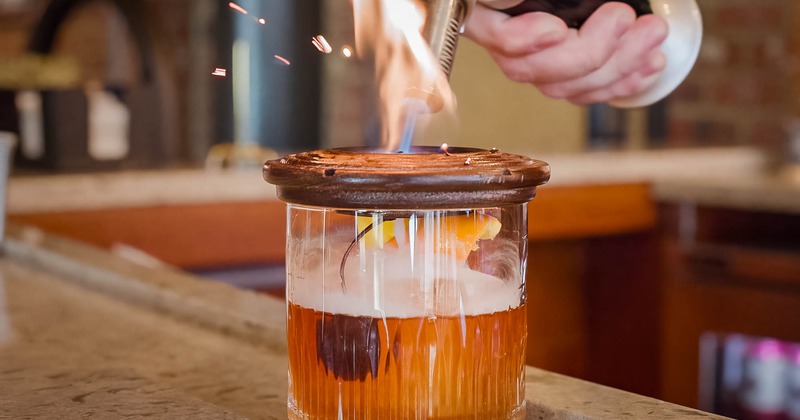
(69,352)
(553,396)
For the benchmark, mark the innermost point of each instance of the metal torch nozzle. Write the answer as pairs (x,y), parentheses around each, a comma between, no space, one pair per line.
(442,27)
(443,24)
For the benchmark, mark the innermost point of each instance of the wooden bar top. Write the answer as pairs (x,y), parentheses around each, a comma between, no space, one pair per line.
(199,219)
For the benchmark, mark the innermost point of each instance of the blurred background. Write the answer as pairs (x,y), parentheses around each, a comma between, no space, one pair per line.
(665,253)
(742,91)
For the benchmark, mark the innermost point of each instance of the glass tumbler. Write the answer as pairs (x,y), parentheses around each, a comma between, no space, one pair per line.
(406,282)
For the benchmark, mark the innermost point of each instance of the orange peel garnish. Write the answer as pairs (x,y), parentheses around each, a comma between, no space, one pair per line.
(456,235)
(382,234)
(460,234)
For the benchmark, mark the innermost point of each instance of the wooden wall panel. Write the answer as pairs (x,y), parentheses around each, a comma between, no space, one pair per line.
(187,236)
(591,211)
(230,234)
(557,307)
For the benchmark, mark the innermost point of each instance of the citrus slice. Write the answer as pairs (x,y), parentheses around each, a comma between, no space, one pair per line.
(455,235)
(459,235)
(378,235)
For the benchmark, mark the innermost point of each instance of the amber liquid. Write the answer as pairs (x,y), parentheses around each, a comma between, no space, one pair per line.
(351,367)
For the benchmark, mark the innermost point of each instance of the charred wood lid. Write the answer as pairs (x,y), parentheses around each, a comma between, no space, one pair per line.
(428,177)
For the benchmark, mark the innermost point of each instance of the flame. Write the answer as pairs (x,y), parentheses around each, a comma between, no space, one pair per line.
(406,69)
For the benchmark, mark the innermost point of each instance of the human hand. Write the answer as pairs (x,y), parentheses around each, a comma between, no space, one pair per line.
(613,55)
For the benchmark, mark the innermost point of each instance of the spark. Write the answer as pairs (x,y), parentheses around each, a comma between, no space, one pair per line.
(262,21)
(347,51)
(321,43)
(238,8)
(220,72)
(444,149)
(468,161)
(282,60)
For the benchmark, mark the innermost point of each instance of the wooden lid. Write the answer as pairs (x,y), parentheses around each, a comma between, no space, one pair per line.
(426,178)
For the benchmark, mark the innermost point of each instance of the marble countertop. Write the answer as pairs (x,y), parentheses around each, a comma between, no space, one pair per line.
(131,189)
(84,333)
(76,192)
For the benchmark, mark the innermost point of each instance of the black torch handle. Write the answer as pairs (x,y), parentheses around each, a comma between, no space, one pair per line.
(573,12)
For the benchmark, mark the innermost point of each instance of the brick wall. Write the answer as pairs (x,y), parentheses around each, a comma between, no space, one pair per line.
(14,27)
(95,36)
(741,90)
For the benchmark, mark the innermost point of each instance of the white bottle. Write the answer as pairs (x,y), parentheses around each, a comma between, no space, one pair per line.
(793,383)
(763,394)
(109,125)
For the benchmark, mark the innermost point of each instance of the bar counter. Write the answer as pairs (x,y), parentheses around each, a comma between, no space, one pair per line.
(182,216)
(86,333)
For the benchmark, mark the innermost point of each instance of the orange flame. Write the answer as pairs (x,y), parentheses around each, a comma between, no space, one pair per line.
(404,63)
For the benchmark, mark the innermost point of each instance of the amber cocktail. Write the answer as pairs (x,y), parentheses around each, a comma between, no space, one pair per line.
(406,282)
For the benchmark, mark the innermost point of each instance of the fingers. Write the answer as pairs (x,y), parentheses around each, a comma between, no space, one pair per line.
(628,86)
(514,36)
(583,53)
(613,55)
(637,52)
